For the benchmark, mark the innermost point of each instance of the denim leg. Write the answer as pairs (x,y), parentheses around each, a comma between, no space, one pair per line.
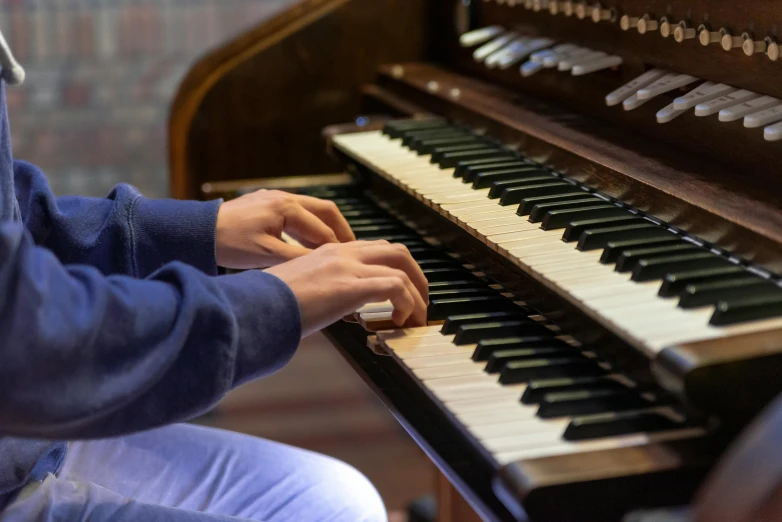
(201,470)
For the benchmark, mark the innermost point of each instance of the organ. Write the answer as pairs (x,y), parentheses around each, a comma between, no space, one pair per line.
(591,190)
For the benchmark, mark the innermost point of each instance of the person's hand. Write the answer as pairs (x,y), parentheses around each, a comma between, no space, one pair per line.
(249,228)
(337,279)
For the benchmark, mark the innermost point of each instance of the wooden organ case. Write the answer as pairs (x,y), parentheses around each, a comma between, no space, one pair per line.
(647,132)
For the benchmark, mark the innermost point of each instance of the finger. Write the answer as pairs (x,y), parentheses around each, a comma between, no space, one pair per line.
(281,251)
(396,256)
(409,306)
(329,213)
(307,228)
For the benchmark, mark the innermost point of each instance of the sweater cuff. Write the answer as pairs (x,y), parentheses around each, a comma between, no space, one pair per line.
(268,321)
(166,230)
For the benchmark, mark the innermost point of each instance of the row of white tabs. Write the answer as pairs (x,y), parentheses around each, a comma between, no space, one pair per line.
(498,48)
(730,103)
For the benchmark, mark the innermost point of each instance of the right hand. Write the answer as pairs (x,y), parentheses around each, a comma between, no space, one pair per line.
(337,279)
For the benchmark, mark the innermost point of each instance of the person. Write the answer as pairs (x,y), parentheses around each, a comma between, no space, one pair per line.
(115,328)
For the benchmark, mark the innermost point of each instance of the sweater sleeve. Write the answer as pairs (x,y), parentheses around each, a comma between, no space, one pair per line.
(124,233)
(87,355)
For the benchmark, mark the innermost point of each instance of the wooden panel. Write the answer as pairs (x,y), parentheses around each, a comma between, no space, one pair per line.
(702,197)
(255,107)
(643,476)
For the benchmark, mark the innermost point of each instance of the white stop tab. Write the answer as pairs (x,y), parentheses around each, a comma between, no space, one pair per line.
(479,36)
(625,91)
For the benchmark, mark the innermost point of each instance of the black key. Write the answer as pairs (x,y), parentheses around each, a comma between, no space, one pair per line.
(596,239)
(441,309)
(524,371)
(499,358)
(513,196)
(488,179)
(439,152)
(487,347)
(540,210)
(424,252)
(453,322)
(442,262)
(674,284)
(620,423)
(452,159)
(470,172)
(446,285)
(702,294)
(651,269)
(614,249)
(587,402)
(425,147)
(412,139)
(369,221)
(745,309)
(435,275)
(362,213)
(461,292)
(556,219)
(463,166)
(629,258)
(473,333)
(408,239)
(379,230)
(535,390)
(576,228)
(498,188)
(397,129)
(527,204)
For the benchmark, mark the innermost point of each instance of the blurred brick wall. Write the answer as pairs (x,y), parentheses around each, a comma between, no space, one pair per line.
(101,75)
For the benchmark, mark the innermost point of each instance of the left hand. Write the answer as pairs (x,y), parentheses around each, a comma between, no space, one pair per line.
(249,228)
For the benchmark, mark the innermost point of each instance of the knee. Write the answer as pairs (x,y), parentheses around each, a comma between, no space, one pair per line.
(350,495)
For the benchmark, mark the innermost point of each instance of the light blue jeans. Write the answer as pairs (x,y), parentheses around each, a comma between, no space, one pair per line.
(186,473)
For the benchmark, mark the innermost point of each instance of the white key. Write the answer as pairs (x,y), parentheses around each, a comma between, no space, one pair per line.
(667,83)
(625,91)
(703,93)
(479,36)
(759,119)
(736,112)
(729,100)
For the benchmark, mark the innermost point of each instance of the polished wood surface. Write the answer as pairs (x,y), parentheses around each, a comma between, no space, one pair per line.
(255,107)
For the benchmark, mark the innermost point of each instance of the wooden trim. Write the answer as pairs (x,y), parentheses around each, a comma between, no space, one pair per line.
(211,190)
(213,66)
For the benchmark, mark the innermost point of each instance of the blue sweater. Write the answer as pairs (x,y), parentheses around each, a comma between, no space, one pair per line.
(113,320)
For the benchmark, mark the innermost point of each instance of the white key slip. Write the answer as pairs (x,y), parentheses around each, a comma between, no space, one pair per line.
(737,112)
(479,36)
(667,83)
(716,105)
(759,119)
(703,93)
(625,91)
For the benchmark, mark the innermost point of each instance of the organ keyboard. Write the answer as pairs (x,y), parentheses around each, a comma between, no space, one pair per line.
(592,192)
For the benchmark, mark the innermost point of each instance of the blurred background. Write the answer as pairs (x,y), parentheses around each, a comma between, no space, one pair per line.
(93,111)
